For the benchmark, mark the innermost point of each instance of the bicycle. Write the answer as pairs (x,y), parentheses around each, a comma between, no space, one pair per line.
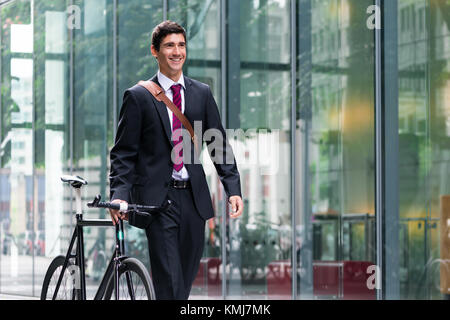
(428,285)
(126,276)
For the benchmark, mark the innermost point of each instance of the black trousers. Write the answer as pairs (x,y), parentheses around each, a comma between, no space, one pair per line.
(175,241)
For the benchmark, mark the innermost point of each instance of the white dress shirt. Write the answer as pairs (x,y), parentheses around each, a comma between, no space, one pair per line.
(166,83)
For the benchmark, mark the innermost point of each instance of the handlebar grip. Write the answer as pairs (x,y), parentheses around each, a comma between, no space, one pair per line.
(115,206)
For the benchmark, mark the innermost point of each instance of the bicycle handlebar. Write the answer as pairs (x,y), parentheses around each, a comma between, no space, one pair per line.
(126,207)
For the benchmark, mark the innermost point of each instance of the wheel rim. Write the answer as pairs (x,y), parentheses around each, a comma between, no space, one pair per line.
(66,289)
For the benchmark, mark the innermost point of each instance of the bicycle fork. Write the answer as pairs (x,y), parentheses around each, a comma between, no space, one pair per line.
(120,255)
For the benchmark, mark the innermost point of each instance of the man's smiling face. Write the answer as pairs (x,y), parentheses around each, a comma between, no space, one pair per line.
(171,55)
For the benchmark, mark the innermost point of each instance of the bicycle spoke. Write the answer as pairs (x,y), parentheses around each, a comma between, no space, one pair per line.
(137,284)
(66,289)
(123,287)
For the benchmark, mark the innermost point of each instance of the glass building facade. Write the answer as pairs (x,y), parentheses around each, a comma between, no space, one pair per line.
(341,118)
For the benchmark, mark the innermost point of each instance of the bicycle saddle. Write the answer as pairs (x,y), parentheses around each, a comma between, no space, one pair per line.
(74,181)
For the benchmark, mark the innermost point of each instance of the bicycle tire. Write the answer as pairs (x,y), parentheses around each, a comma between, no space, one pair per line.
(138,272)
(52,274)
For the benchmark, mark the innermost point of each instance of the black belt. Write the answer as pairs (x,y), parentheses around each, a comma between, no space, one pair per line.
(180,184)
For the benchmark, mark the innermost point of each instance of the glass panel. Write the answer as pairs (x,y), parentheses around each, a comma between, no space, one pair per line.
(414,147)
(335,231)
(52,136)
(200,19)
(93,124)
(439,126)
(136,20)
(16,146)
(259,105)
(424,56)
(335,151)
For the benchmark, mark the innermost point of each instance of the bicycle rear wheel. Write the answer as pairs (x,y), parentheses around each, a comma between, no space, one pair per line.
(67,290)
(133,271)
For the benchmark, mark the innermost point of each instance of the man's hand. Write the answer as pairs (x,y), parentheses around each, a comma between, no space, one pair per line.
(116,214)
(237,205)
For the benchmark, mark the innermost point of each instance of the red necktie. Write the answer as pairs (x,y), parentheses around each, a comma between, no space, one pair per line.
(176,124)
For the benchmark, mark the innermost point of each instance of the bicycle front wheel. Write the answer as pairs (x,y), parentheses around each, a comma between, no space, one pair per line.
(134,282)
(67,289)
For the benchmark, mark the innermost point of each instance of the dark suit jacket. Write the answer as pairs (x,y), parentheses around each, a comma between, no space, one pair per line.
(141,165)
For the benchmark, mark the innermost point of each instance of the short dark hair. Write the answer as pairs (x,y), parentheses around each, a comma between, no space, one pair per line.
(163,29)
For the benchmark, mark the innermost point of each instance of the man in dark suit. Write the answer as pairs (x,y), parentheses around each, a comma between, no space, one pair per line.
(144,170)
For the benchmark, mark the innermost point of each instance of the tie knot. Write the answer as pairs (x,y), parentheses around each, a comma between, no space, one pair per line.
(176,88)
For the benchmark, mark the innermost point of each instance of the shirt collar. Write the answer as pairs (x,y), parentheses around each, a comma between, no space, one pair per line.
(166,82)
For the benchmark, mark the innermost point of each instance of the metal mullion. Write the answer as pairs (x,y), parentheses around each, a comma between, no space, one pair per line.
(223,50)
(71,107)
(1,78)
(1,117)
(379,198)
(430,53)
(305,114)
(115,61)
(165,9)
(71,94)
(33,151)
(386,152)
(293,147)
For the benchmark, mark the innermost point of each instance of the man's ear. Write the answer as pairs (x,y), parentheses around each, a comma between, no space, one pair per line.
(153,51)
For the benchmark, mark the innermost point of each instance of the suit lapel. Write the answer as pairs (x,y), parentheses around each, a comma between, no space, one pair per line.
(188,105)
(163,114)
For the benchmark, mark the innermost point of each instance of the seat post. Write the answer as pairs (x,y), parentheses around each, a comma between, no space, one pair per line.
(78,208)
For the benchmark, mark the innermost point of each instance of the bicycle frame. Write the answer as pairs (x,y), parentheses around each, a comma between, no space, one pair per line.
(114,264)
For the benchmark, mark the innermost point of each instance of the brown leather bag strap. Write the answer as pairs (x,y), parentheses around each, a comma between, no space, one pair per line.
(159,95)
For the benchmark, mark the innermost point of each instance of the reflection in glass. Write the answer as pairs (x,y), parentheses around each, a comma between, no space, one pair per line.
(439,132)
(92,123)
(17,235)
(259,74)
(423,130)
(51,146)
(61,91)
(336,151)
